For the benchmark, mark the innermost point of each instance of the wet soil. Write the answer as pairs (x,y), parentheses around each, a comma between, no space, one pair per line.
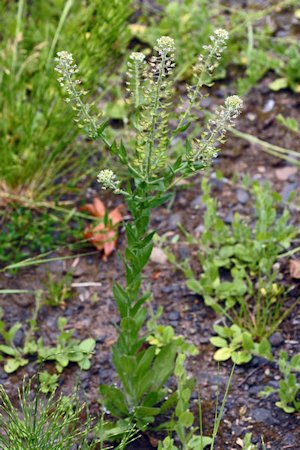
(91,311)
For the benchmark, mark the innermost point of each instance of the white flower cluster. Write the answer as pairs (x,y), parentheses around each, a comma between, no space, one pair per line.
(137,56)
(67,68)
(218,44)
(135,76)
(165,44)
(206,148)
(108,180)
(210,60)
(233,106)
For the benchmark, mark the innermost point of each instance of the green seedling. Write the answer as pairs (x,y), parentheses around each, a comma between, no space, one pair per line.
(238,278)
(289,388)
(48,382)
(67,349)
(238,345)
(58,291)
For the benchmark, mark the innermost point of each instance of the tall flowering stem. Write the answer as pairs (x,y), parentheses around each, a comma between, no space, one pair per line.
(68,69)
(142,370)
(203,70)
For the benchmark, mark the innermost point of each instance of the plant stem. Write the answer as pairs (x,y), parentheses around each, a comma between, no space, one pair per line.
(63,17)
(18,31)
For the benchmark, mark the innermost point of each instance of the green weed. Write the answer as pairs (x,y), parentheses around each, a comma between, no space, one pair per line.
(142,370)
(289,388)
(238,278)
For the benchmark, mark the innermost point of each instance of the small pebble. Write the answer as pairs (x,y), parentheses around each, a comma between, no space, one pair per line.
(174,220)
(276,339)
(269,105)
(242,196)
(197,202)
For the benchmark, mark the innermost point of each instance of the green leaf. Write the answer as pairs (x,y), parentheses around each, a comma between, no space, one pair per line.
(85,364)
(186,419)
(121,298)
(286,408)
(88,345)
(14,329)
(61,323)
(114,400)
(241,357)
(163,365)
(224,332)
(145,362)
(62,360)
(146,411)
(218,342)
(265,349)
(223,354)
(195,286)
(74,355)
(248,343)
(267,391)
(295,362)
(280,83)
(7,350)
(13,364)
(199,442)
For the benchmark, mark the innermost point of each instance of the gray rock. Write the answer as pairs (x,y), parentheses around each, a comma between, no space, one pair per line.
(183,251)
(287,190)
(197,202)
(173,221)
(264,415)
(229,217)
(276,339)
(242,196)
(174,315)
(218,184)
(19,336)
(260,414)
(255,390)
(290,439)
(269,105)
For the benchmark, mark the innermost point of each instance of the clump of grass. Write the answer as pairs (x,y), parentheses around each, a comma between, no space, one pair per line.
(36,126)
(41,423)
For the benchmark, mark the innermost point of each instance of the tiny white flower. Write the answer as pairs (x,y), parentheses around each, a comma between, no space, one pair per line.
(165,44)
(137,56)
(221,34)
(108,180)
(234,102)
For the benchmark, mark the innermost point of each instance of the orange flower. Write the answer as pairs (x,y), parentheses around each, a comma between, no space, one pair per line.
(103,236)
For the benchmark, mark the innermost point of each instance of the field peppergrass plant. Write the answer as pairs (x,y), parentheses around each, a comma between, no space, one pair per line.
(142,371)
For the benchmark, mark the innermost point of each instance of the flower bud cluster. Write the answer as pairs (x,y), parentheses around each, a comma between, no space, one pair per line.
(108,180)
(213,52)
(66,67)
